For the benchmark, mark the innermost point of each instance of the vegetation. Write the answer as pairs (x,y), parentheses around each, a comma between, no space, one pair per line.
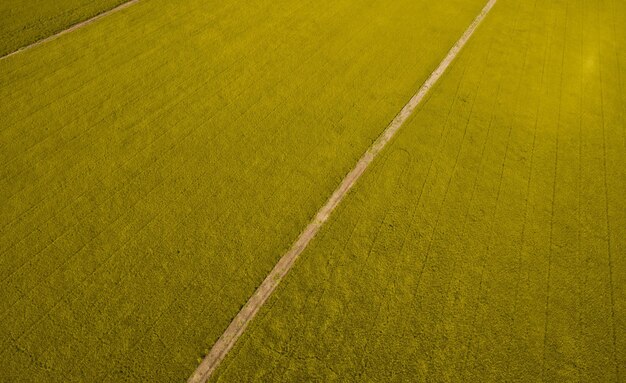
(149,182)
(24,22)
(488,242)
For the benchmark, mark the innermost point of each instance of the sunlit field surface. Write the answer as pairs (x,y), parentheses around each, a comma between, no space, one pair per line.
(488,242)
(156,164)
(150,181)
(24,22)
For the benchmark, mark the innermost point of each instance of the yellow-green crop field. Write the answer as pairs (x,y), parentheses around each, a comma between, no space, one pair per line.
(24,22)
(156,164)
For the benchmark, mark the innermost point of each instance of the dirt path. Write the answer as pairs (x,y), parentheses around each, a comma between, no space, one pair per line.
(72,28)
(239,324)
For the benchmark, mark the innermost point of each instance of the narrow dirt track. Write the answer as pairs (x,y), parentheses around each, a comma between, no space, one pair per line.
(239,324)
(72,28)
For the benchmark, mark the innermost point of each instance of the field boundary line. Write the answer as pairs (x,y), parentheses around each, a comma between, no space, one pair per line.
(72,28)
(241,321)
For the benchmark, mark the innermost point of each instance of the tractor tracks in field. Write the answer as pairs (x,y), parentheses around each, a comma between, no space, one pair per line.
(241,321)
(72,28)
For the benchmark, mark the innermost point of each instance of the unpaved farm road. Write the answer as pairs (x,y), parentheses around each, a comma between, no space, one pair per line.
(239,324)
(72,28)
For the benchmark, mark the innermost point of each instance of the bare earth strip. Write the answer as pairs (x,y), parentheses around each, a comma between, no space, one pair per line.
(72,28)
(239,324)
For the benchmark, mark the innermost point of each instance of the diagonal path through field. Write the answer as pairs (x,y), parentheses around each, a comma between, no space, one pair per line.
(239,324)
(502,262)
(72,28)
(132,190)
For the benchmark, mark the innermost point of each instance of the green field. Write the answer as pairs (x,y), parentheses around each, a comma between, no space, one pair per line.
(151,181)
(156,164)
(488,242)
(25,22)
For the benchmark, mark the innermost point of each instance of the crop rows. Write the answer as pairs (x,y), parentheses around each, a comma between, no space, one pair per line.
(488,241)
(151,181)
(23,23)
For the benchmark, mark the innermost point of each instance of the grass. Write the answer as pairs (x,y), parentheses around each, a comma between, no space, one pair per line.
(24,22)
(149,182)
(488,242)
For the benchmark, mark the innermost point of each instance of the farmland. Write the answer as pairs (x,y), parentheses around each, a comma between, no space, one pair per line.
(488,242)
(156,164)
(24,22)
(151,181)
